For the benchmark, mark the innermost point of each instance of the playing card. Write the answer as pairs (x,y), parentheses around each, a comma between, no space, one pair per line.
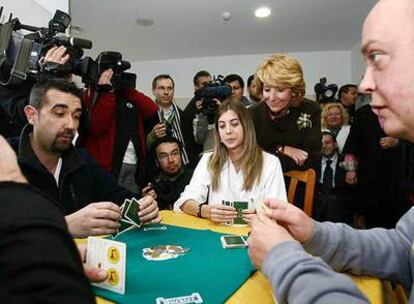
(124,207)
(262,209)
(240,206)
(230,204)
(226,203)
(131,213)
(111,256)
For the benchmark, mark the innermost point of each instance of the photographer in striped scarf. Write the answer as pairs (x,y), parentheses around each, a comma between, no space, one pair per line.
(170,119)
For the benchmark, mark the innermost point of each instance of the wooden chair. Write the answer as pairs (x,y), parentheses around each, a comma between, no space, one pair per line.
(309,178)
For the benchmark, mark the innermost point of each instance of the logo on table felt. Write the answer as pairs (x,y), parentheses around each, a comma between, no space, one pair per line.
(193,298)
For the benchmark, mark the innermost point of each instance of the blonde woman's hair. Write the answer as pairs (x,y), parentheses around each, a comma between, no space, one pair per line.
(251,160)
(283,71)
(330,105)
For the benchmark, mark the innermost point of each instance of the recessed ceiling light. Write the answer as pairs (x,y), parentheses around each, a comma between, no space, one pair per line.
(262,12)
(145,22)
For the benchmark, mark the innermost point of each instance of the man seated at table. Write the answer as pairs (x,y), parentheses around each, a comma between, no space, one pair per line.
(171,175)
(40,262)
(88,195)
(387,45)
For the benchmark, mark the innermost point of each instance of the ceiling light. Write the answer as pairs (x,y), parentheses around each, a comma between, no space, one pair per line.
(145,22)
(262,12)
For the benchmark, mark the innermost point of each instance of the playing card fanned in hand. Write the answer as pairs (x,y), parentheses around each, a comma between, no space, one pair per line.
(131,213)
(262,209)
(129,216)
(240,206)
(110,256)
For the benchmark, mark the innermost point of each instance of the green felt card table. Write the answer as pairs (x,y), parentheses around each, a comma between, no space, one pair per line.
(218,275)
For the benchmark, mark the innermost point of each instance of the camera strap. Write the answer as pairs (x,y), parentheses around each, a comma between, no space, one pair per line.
(5,37)
(18,71)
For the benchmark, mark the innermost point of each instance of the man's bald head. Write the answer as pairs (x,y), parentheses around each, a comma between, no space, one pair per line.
(388,47)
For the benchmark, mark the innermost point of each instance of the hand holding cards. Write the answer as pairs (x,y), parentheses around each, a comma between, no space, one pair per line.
(240,206)
(110,256)
(262,209)
(129,216)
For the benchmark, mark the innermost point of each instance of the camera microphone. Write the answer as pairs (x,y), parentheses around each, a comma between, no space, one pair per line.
(74,41)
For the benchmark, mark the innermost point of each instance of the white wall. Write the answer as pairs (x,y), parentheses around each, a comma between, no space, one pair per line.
(28,11)
(357,64)
(334,65)
(33,12)
(53,5)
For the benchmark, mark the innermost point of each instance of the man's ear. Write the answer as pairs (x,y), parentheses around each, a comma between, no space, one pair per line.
(31,113)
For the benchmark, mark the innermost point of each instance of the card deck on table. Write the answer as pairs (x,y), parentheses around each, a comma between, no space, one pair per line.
(233,241)
(111,256)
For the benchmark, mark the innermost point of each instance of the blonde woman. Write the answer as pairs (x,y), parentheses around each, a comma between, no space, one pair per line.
(236,170)
(286,124)
(335,118)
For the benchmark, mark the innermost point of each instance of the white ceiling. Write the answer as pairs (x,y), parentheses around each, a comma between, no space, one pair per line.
(194,28)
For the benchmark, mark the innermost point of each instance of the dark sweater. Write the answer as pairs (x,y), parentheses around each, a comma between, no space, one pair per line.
(287,132)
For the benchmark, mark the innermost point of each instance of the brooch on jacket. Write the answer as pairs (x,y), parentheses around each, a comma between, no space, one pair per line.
(304,121)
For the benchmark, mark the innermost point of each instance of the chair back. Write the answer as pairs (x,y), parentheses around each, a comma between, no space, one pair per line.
(309,178)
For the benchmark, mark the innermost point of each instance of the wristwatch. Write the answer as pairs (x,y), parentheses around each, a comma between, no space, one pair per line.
(199,209)
(280,150)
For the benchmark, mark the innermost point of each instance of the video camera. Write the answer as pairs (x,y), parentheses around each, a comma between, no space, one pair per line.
(216,89)
(325,93)
(113,60)
(20,54)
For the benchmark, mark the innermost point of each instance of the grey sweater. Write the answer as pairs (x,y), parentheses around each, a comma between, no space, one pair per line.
(298,277)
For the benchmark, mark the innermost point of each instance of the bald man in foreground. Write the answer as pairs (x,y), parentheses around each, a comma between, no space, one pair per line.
(278,248)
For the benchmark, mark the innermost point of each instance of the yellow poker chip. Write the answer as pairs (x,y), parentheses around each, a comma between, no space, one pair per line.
(113,255)
(112,277)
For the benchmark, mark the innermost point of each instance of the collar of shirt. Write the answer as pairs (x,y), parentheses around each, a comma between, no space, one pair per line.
(333,158)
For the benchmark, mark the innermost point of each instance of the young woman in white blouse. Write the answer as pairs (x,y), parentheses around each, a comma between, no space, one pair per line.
(236,170)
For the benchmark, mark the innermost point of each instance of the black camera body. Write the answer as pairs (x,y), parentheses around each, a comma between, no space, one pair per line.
(21,54)
(324,92)
(216,89)
(113,60)
(161,186)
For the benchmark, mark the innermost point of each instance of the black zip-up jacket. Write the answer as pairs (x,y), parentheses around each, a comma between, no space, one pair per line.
(39,261)
(81,180)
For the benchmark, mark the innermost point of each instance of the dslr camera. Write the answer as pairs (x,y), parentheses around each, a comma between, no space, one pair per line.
(325,92)
(20,54)
(216,89)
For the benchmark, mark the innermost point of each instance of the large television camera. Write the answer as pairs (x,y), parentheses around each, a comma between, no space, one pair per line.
(20,53)
(325,92)
(113,60)
(216,89)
